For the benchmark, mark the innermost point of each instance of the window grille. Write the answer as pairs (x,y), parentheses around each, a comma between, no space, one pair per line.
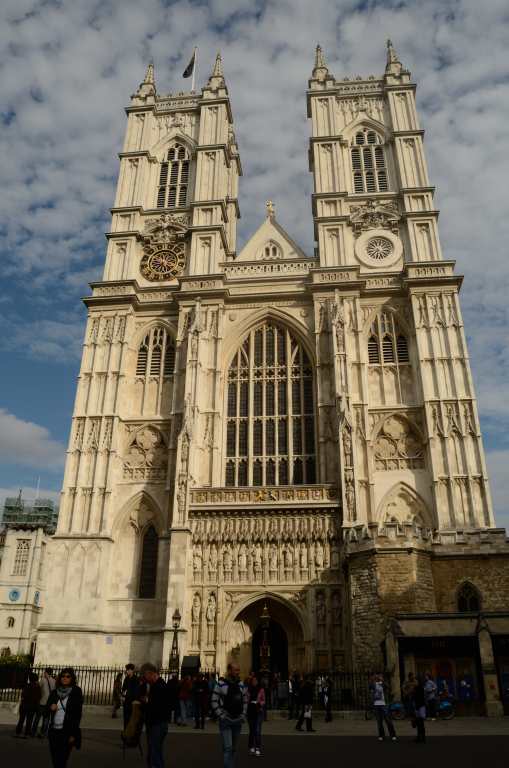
(368,163)
(469,599)
(270,430)
(21,557)
(156,354)
(386,343)
(148,567)
(174,178)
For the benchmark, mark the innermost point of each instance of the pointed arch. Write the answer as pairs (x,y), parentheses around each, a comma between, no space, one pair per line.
(137,512)
(269,427)
(369,123)
(468,598)
(160,149)
(147,581)
(258,596)
(402,504)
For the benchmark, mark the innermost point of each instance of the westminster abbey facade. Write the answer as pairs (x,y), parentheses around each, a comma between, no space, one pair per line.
(266,427)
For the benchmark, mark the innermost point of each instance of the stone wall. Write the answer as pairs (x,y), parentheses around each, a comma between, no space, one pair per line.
(489,574)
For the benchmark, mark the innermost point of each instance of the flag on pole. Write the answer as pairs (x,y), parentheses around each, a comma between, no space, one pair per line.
(189,70)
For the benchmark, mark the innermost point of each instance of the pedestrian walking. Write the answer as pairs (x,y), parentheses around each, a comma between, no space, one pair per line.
(117,694)
(129,692)
(419,707)
(200,693)
(255,715)
(184,694)
(306,706)
(173,700)
(46,684)
(430,696)
(379,700)
(407,692)
(156,711)
(65,704)
(327,699)
(293,695)
(28,706)
(229,706)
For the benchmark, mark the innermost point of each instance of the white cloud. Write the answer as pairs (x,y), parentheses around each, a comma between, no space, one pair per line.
(498,466)
(27,444)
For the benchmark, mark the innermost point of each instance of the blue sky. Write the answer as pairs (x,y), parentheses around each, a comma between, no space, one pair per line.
(68,69)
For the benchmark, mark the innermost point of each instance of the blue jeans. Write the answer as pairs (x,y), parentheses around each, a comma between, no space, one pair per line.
(230,733)
(255,720)
(156,735)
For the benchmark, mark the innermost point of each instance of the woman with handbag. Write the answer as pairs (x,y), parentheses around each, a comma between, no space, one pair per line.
(65,704)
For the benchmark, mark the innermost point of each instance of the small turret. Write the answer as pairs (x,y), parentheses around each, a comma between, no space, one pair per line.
(320,70)
(216,80)
(394,66)
(147,88)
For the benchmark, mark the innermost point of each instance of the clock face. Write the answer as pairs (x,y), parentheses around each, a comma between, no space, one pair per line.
(164,264)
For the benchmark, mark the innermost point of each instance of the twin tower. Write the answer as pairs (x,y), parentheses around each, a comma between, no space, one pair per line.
(264,426)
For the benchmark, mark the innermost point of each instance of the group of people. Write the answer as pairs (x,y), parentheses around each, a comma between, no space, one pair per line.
(56,704)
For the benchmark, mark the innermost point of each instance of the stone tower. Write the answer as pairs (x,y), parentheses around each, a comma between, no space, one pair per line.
(266,428)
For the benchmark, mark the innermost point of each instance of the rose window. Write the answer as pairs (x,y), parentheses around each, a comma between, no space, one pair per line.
(379,248)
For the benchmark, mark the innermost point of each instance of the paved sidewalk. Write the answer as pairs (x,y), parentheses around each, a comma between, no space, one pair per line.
(99,719)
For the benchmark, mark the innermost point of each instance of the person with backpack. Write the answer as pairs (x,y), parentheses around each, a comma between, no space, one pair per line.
(379,698)
(229,707)
(156,711)
(65,704)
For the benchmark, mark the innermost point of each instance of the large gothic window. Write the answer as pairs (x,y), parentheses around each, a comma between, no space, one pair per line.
(174,178)
(148,566)
(270,430)
(368,163)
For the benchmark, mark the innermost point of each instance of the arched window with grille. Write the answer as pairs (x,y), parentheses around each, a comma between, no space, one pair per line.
(469,599)
(368,163)
(10,622)
(270,429)
(174,178)
(156,354)
(387,344)
(148,564)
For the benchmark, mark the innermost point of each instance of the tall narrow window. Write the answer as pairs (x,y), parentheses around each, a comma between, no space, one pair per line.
(386,343)
(148,565)
(21,557)
(156,354)
(270,430)
(368,163)
(174,178)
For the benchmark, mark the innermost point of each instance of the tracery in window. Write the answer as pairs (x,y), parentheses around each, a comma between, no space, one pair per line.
(368,163)
(21,557)
(148,565)
(270,429)
(156,355)
(386,343)
(469,599)
(174,178)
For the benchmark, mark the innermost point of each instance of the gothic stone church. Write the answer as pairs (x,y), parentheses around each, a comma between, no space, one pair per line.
(268,427)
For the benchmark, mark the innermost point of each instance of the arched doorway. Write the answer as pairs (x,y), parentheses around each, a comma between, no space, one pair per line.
(244,636)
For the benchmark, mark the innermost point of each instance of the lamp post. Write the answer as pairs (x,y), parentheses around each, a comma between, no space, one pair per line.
(174,662)
(265,644)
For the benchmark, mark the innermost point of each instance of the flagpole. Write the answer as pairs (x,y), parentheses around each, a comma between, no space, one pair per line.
(195,66)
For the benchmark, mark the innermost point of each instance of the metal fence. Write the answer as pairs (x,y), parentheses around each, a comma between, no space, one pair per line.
(349,690)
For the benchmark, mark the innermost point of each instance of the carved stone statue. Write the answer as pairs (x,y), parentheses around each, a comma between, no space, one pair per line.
(273,559)
(319,555)
(210,615)
(242,559)
(303,556)
(197,561)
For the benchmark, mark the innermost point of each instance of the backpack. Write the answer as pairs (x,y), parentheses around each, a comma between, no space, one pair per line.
(234,701)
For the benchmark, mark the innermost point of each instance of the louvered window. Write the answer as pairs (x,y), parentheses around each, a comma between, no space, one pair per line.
(156,354)
(270,430)
(386,344)
(148,565)
(368,163)
(174,178)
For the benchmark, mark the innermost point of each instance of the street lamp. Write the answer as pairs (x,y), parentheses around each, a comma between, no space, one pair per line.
(174,662)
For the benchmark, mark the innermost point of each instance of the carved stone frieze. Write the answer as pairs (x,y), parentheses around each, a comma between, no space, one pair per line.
(266,495)
(374,214)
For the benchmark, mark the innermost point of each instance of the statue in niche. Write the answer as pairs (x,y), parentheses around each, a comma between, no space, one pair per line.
(227,564)
(319,555)
(195,618)
(257,558)
(334,558)
(273,559)
(212,561)
(242,559)
(228,529)
(197,561)
(273,529)
(303,556)
(287,558)
(321,617)
(210,615)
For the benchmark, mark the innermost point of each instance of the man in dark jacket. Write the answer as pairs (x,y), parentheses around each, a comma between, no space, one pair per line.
(306,706)
(129,691)
(156,710)
(30,697)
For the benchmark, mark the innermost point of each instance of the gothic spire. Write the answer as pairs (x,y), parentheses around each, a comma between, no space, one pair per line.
(320,70)
(148,86)
(394,65)
(216,80)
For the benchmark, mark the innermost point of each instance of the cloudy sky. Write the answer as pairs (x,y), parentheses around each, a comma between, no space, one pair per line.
(67,70)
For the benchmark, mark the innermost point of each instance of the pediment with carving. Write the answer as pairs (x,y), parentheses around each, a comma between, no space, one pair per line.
(374,214)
